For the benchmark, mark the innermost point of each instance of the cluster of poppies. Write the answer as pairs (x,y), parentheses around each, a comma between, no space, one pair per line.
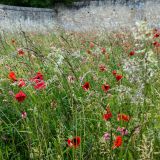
(107,116)
(156,33)
(91,46)
(37,82)
(105,87)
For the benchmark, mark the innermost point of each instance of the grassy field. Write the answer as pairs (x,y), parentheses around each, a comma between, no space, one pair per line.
(80,96)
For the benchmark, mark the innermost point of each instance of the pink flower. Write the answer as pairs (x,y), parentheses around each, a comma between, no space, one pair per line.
(11,93)
(102,68)
(24,115)
(21,83)
(106,136)
(123,131)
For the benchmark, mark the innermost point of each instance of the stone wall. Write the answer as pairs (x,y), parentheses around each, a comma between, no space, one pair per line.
(25,18)
(110,14)
(99,14)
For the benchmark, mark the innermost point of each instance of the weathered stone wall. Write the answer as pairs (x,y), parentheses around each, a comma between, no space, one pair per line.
(110,14)
(12,17)
(99,14)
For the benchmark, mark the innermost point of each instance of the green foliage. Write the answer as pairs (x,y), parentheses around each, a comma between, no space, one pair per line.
(64,109)
(35,3)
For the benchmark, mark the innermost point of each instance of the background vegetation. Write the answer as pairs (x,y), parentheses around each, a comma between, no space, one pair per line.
(64,109)
(35,3)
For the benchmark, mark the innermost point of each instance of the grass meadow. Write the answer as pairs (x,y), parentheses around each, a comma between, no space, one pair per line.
(80,96)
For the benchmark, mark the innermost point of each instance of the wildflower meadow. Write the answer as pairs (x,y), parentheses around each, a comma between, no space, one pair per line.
(80,95)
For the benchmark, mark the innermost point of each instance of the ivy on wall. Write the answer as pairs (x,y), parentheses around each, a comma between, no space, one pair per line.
(36,3)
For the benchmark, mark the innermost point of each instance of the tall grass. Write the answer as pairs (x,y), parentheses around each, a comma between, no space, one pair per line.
(64,109)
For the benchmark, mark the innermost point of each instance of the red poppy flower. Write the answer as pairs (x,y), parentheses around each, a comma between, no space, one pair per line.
(119,77)
(20,96)
(74,142)
(117,142)
(21,83)
(21,52)
(91,44)
(102,68)
(107,116)
(114,72)
(37,78)
(86,86)
(123,117)
(132,53)
(39,82)
(40,85)
(156,35)
(103,50)
(12,76)
(156,44)
(105,87)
